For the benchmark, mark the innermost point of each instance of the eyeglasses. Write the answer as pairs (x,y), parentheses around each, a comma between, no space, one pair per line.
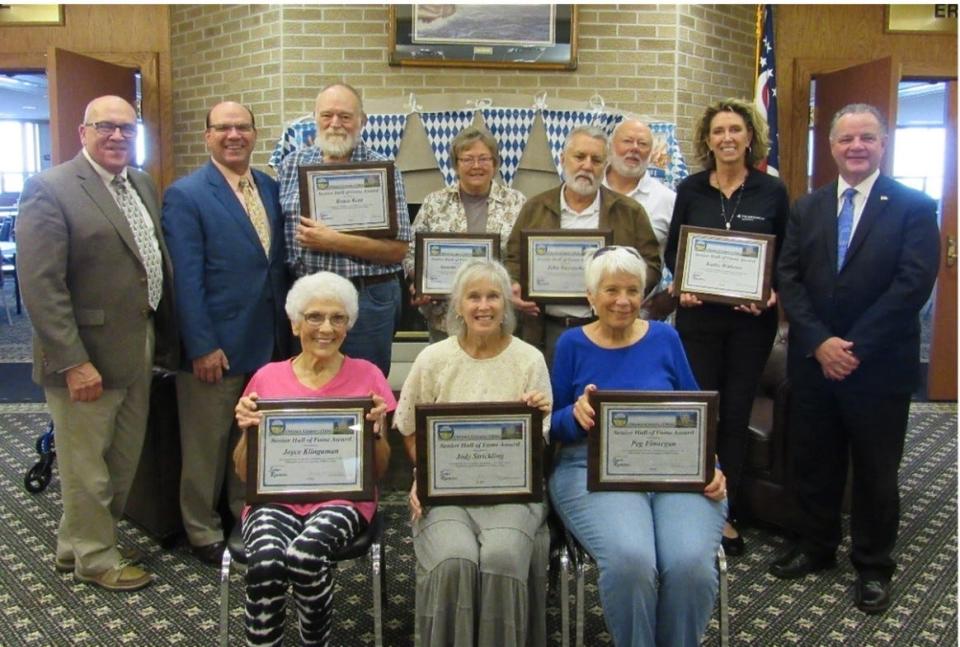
(225,128)
(107,128)
(317,319)
(483,160)
(609,248)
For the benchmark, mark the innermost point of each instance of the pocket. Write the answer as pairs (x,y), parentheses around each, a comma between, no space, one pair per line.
(89,317)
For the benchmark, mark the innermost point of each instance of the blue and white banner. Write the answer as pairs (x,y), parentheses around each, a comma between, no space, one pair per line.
(383,133)
(441,128)
(298,134)
(511,128)
(671,169)
(559,123)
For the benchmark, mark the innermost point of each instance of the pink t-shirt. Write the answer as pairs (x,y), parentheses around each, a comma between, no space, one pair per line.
(356,378)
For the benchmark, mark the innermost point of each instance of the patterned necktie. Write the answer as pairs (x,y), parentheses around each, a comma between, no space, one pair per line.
(144,237)
(845,226)
(258,216)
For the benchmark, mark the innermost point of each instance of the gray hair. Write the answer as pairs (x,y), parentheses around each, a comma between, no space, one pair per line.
(474,270)
(589,131)
(467,138)
(858,109)
(322,286)
(611,260)
(352,90)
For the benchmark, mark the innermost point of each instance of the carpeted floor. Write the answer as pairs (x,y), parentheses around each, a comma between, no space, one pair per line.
(40,607)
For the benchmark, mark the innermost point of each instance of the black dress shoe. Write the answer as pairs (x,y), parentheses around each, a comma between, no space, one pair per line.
(733,546)
(797,563)
(872,595)
(209,554)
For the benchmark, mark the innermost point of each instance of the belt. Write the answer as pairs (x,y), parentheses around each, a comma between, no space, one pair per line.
(570,322)
(360,282)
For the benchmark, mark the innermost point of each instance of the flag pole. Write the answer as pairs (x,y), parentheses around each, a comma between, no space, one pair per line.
(759,39)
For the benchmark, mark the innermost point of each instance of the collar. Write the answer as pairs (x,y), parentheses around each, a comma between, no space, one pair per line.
(232,177)
(104,174)
(593,208)
(863,189)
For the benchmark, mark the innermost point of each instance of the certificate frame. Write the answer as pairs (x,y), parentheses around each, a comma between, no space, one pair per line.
(697,242)
(691,476)
(266,485)
(382,223)
(479,415)
(426,243)
(532,242)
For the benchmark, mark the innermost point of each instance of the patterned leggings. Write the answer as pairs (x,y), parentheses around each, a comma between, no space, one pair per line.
(283,547)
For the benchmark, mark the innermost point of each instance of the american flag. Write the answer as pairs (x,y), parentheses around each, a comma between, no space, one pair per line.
(765,95)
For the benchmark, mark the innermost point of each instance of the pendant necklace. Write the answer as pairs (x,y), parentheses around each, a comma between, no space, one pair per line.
(723,205)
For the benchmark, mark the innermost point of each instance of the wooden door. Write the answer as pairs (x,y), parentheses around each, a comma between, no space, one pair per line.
(942,378)
(875,83)
(74,80)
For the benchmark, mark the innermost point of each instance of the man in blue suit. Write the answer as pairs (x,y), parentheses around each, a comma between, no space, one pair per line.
(858,263)
(224,228)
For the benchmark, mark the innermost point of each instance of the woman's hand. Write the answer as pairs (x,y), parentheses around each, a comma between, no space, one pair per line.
(246,411)
(415,510)
(240,458)
(755,310)
(716,489)
(537,400)
(688,300)
(378,414)
(582,411)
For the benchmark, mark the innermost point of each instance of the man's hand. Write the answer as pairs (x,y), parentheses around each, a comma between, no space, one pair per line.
(416,301)
(210,368)
(317,236)
(525,307)
(836,358)
(84,383)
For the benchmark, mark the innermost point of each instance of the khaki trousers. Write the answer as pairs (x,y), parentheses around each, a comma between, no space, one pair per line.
(207,436)
(98,450)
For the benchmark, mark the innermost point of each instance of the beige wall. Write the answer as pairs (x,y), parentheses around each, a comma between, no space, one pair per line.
(663,61)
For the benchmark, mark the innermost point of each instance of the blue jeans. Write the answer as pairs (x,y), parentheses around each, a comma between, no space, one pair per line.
(371,338)
(655,553)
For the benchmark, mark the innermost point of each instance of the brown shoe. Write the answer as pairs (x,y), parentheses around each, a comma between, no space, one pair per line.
(124,577)
(130,554)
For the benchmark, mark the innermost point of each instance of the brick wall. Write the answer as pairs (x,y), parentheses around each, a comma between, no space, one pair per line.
(664,61)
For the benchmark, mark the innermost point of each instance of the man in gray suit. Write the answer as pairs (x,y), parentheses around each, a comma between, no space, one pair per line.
(96,281)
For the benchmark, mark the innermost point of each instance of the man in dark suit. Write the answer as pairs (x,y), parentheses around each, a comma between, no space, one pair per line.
(96,281)
(224,227)
(858,263)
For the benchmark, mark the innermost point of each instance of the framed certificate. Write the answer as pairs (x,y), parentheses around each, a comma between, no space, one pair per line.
(724,266)
(552,260)
(439,256)
(479,453)
(307,451)
(355,198)
(652,440)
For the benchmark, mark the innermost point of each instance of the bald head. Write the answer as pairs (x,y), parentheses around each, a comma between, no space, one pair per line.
(108,132)
(630,148)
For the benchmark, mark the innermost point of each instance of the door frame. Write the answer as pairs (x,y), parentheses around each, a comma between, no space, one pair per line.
(156,118)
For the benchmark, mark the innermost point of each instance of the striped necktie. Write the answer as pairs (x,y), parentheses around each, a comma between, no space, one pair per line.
(258,216)
(845,226)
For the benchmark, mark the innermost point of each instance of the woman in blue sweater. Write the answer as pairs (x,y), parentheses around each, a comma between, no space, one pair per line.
(654,550)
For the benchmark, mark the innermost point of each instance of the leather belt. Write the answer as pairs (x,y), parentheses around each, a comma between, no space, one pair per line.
(570,322)
(360,282)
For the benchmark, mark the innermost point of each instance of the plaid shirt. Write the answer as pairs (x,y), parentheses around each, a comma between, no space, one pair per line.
(304,261)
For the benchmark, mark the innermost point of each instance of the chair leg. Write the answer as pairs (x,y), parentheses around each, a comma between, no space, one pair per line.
(564,598)
(724,609)
(225,599)
(6,307)
(581,602)
(379,590)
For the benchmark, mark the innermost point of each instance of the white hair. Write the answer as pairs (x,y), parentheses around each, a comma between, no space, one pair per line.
(474,270)
(325,286)
(611,260)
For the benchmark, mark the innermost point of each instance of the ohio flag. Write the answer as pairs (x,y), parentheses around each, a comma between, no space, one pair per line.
(765,95)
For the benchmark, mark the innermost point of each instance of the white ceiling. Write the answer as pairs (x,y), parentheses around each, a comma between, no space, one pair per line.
(24,96)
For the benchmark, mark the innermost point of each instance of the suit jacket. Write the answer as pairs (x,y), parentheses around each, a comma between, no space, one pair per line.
(82,279)
(229,293)
(875,299)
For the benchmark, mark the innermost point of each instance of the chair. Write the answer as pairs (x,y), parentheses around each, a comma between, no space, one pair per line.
(369,543)
(579,556)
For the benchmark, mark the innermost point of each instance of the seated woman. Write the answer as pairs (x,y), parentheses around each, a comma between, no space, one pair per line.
(473,562)
(292,543)
(655,551)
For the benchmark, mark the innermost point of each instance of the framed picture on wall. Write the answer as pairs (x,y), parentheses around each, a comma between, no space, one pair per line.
(529,36)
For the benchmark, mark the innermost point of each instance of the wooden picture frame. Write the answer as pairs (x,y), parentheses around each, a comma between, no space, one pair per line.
(356,189)
(725,266)
(537,243)
(434,242)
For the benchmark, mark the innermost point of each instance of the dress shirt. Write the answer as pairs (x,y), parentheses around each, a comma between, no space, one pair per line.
(657,200)
(305,261)
(859,200)
(589,218)
(233,181)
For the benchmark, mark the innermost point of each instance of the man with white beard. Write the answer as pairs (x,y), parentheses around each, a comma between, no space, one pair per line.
(371,264)
(579,203)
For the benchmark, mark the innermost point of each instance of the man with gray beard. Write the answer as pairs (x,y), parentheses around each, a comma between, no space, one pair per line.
(579,203)
(371,264)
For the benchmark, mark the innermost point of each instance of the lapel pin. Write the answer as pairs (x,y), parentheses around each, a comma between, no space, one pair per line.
(883,197)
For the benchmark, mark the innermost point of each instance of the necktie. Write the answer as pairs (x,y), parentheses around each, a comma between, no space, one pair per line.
(258,216)
(144,237)
(844,226)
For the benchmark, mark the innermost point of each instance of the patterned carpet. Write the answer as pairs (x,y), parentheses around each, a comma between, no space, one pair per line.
(40,607)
